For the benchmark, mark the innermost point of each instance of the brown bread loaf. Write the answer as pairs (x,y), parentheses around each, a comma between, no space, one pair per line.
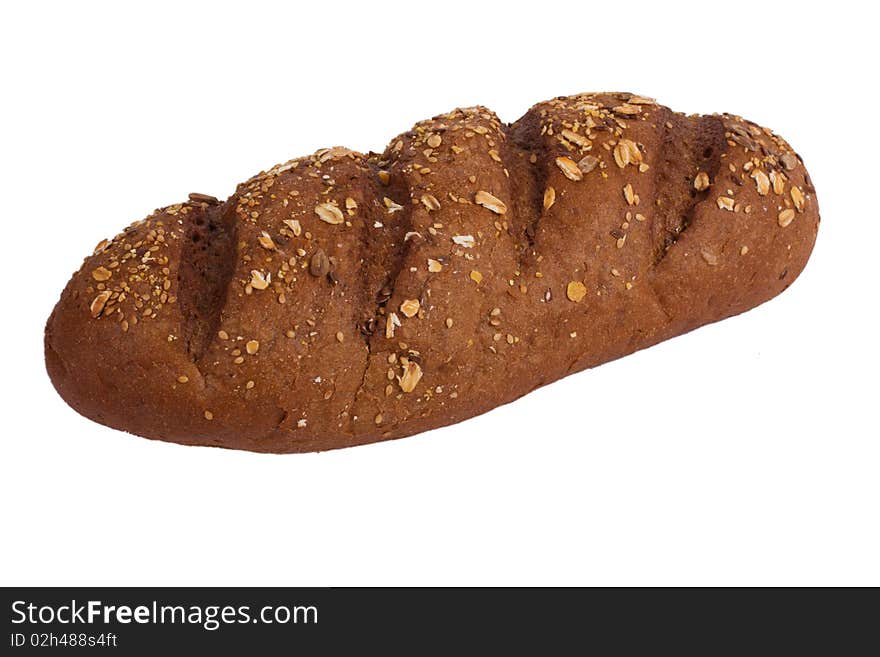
(341,298)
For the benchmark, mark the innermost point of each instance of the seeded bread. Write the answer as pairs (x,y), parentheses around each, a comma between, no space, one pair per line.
(341,298)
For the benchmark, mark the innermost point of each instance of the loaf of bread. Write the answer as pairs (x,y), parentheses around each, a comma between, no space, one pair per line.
(341,298)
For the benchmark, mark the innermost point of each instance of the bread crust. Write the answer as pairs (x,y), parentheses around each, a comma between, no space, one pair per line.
(342,298)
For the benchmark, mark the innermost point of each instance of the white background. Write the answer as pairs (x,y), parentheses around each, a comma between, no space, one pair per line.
(744,453)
